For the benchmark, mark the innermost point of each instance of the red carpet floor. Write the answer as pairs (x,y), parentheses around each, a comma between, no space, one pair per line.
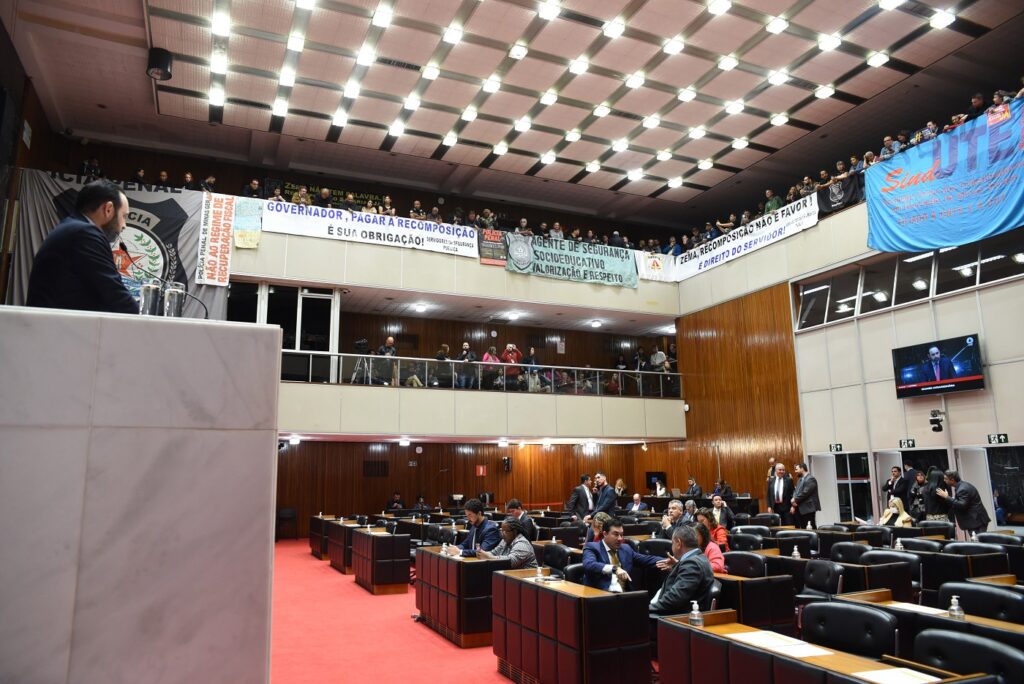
(327,629)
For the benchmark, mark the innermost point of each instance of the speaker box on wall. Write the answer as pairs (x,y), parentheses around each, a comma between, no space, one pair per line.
(506,462)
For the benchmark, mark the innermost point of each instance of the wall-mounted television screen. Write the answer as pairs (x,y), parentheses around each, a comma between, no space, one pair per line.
(651,477)
(950,365)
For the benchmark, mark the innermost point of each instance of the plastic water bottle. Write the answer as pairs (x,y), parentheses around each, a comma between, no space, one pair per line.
(955,611)
(696,618)
(444,548)
(540,571)
(321,514)
(796,552)
(654,535)
(809,525)
(974,536)
(554,539)
(899,544)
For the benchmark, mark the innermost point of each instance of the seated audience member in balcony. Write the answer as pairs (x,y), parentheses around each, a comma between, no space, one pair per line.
(575,235)
(999,98)
(482,532)
(209,184)
(760,210)
(435,215)
(523,227)
(895,515)
(531,369)
(636,506)
(369,207)
(869,159)
(513,357)
(275,195)
(977,107)
(620,362)
(717,534)
(955,121)
(604,239)
(188,182)
(140,176)
(685,244)
(302,196)
(642,245)
(640,359)
(421,504)
(607,564)
(659,488)
(672,248)
(386,208)
(491,370)
(91,170)
(472,219)
(889,148)
(930,130)
(711,232)
(745,218)
(412,374)
(417,212)
(791,196)
(824,180)
(903,138)
(841,172)
(487,218)
(772,201)
(395,502)
(727,225)
(722,513)
(252,189)
(466,378)
(591,238)
(616,239)
(690,579)
(657,358)
(806,187)
(542,229)
(350,204)
(693,491)
(514,545)
(323,199)
(856,165)
(614,384)
(163,180)
(443,376)
(556,231)
(672,518)
(626,243)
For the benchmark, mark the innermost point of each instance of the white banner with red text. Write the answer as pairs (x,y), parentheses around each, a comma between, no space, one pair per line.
(769,229)
(215,230)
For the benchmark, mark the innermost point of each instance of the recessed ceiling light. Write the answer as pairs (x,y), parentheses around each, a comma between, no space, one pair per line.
(523,124)
(352,90)
(579,65)
(779,120)
(595,324)
(686,95)
(382,17)
(663,155)
(697,132)
(739,143)
(635,174)
(548,158)
(492,85)
(295,440)
(420,308)
(676,182)
(469,114)
(673,46)
(734,107)
(548,10)
(366,56)
(890,4)
(877,59)
(305,4)
(502,442)
(593,167)
(636,80)
(220,24)
(404,442)
(216,96)
(513,315)
(881,296)
(776,25)
(573,135)
(942,19)
(920,284)
(287,77)
(431,72)
(452,34)
(340,117)
(450,139)
(620,145)
(1018,257)
(824,92)
(719,6)
(546,443)
(778,77)
(296,42)
(830,42)
(280,107)
(219,62)
(518,51)
(614,28)
(601,110)
(501,148)
(728,63)
(652,122)
(549,98)
(412,103)
(705,164)
(397,128)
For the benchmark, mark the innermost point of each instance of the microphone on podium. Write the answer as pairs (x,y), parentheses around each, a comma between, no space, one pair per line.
(124,248)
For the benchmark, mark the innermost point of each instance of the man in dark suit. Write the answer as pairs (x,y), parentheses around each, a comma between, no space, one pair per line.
(605,495)
(395,503)
(805,505)
(515,509)
(693,491)
(779,493)
(581,501)
(74,268)
(903,489)
(607,563)
(937,367)
(481,531)
(637,506)
(690,578)
(672,519)
(965,503)
(723,514)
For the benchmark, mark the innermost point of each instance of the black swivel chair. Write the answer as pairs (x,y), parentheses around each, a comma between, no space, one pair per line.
(879,557)
(823,579)
(848,552)
(573,573)
(286,518)
(967,653)
(1001,539)
(759,530)
(446,535)
(361,520)
(985,600)
(972,548)
(912,544)
(745,564)
(767,519)
(832,528)
(741,519)
(390,527)
(938,527)
(851,628)
(745,542)
(556,557)
(805,540)
(881,532)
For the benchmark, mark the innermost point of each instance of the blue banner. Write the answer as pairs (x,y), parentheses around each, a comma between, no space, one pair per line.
(963,186)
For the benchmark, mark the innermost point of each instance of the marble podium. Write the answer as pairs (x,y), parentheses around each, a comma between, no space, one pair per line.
(137,484)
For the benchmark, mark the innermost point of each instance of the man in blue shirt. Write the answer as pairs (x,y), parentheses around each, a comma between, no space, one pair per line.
(482,532)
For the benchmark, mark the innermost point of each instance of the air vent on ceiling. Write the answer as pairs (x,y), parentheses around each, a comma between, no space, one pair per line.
(375,468)
(396,63)
(582,19)
(628,115)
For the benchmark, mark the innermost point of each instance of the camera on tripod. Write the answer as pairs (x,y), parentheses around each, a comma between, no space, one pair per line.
(362,346)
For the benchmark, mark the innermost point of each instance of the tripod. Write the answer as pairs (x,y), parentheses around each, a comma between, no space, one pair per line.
(362,367)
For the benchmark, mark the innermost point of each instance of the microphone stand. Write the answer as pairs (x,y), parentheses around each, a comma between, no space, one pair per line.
(124,248)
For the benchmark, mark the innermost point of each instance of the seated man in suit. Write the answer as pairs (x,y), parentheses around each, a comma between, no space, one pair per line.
(395,503)
(723,514)
(421,504)
(689,513)
(672,519)
(515,509)
(637,506)
(690,578)
(693,491)
(607,563)
(482,532)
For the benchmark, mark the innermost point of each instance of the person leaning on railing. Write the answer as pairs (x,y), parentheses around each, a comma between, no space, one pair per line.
(466,378)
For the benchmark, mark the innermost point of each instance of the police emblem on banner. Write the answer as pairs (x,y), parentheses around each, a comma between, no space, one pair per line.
(520,251)
(835,194)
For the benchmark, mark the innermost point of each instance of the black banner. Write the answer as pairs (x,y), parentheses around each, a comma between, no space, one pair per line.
(841,194)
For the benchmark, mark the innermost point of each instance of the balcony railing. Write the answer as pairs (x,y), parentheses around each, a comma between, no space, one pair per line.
(400,371)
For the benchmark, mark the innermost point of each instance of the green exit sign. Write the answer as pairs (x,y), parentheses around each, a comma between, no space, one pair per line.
(908,443)
(999,438)
(836,447)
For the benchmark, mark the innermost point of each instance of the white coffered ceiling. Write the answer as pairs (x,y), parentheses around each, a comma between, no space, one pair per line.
(642,58)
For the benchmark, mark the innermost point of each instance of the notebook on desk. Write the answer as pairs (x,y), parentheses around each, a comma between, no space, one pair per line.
(676,493)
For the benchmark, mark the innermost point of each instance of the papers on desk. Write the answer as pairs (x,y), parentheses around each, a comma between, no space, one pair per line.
(896,675)
(915,608)
(781,644)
